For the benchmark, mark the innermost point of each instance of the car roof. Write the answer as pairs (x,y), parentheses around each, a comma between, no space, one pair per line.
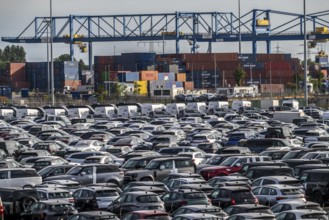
(95,213)
(279,178)
(235,188)
(317,171)
(51,190)
(96,188)
(279,186)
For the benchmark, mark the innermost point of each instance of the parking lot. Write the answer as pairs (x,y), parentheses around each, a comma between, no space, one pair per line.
(199,158)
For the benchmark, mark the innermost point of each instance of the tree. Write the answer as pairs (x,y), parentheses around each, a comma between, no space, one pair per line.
(82,65)
(101,93)
(239,75)
(12,54)
(63,57)
(118,89)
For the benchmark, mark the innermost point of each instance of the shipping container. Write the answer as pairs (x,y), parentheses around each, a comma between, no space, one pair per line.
(16,71)
(132,76)
(24,93)
(278,65)
(148,75)
(141,87)
(189,85)
(179,84)
(180,77)
(270,57)
(167,76)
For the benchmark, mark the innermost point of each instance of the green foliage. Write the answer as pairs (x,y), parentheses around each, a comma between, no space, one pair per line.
(82,65)
(118,89)
(137,88)
(12,54)
(239,75)
(63,57)
(101,93)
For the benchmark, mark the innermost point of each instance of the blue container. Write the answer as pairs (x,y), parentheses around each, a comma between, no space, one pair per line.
(166,76)
(179,85)
(132,76)
(122,77)
(76,95)
(5,91)
(24,93)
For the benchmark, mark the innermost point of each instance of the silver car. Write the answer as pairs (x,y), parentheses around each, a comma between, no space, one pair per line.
(271,194)
(92,173)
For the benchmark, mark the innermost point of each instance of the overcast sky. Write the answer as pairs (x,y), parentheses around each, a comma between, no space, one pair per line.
(15,15)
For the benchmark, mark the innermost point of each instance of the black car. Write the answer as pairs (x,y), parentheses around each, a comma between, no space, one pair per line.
(244,208)
(316,185)
(16,200)
(51,210)
(232,195)
(260,171)
(178,198)
(132,201)
(209,209)
(94,215)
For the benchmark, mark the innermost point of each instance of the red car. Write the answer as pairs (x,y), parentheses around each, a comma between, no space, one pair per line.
(230,165)
(147,214)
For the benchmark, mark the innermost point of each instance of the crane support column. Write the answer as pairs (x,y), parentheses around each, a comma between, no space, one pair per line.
(177,32)
(71,38)
(268,47)
(90,55)
(254,47)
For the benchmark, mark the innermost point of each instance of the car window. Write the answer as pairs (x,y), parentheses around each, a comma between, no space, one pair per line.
(264,191)
(174,196)
(23,173)
(184,163)
(267,182)
(4,175)
(273,192)
(129,198)
(167,164)
(257,182)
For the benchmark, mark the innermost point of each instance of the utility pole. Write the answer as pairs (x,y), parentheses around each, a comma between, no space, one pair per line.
(51,55)
(305,61)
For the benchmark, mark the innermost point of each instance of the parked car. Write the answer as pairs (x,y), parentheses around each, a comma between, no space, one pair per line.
(270,194)
(133,201)
(94,198)
(84,174)
(51,210)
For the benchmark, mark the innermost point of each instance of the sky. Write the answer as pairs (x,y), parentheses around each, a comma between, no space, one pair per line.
(15,15)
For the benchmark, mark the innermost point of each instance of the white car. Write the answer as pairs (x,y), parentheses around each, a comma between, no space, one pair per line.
(302,214)
(54,194)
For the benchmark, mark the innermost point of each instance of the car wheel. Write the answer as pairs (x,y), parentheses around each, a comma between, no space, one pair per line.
(27,202)
(146,179)
(318,198)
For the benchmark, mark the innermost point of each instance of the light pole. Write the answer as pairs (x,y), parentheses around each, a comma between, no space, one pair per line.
(305,61)
(239,8)
(51,55)
(250,65)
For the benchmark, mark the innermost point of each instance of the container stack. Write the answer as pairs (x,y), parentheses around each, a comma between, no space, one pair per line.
(14,75)
(65,73)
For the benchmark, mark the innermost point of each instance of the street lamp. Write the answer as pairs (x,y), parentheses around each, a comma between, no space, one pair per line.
(51,55)
(250,65)
(239,8)
(305,61)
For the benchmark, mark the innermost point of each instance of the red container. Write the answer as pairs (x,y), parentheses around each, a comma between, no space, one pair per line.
(16,71)
(188,85)
(278,65)
(270,57)
(148,75)
(18,85)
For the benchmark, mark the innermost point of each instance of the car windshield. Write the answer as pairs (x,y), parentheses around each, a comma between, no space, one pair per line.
(317,216)
(290,192)
(310,155)
(243,195)
(228,161)
(74,171)
(45,171)
(153,165)
(60,207)
(59,195)
(92,160)
(106,193)
(194,195)
(214,160)
(158,217)
(148,198)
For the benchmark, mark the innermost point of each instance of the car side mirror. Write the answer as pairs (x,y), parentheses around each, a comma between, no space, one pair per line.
(83,173)
(237,164)
(162,167)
